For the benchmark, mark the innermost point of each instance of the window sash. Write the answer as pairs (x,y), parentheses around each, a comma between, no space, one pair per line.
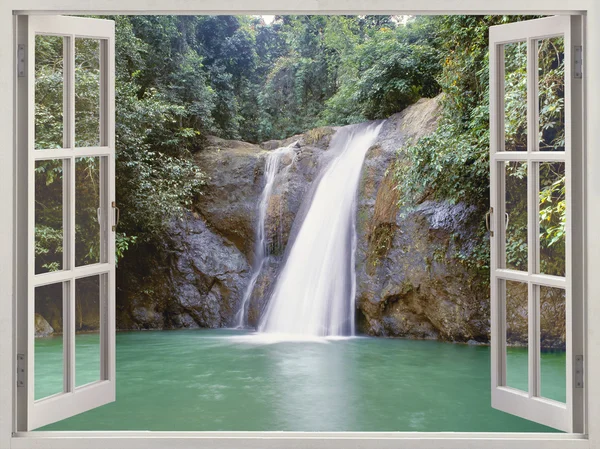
(529,405)
(73,399)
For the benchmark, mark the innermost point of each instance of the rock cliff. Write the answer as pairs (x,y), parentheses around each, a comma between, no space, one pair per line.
(409,283)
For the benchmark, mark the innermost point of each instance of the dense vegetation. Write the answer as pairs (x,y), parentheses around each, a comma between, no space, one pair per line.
(453,164)
(181,78)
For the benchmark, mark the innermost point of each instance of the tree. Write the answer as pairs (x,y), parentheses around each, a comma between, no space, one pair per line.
(390,70)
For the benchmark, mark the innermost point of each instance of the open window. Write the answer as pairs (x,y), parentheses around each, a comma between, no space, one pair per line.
(67,87)
(536,226)
(66,98)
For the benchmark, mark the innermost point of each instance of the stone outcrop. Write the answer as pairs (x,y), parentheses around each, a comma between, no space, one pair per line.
(409,283)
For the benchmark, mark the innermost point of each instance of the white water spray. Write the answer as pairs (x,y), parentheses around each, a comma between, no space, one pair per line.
(314,294)
(261,250)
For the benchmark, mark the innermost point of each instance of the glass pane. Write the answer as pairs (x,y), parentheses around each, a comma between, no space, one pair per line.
(551,84)
(87,92)
(49,215)
(87,202)
(516,209)
(515,96)
(49,89)
(553,360)
(49,362)
(552,218)
(517,336)
(87,330)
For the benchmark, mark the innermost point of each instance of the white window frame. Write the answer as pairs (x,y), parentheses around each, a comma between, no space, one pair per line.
(530,404)
(74,399)
(9,189)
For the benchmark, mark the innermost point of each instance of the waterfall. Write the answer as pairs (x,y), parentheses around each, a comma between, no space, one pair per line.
(314,294)
(261,249)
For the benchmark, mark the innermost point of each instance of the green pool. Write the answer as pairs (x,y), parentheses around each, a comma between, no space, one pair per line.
(208,380)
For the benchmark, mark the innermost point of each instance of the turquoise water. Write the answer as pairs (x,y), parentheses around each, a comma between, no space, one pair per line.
(209,380)
(49,363)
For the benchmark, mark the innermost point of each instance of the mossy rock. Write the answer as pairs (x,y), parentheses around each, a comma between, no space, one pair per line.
(317,135)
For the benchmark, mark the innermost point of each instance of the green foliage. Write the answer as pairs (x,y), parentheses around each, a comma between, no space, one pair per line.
(452,164)
(87,92)
(49,87)
(553,218)
(122,243)
(237,77)
(300,80)
(346,69)
(157,178)
(160,119)
(390,70)
(48,216)
(516,207)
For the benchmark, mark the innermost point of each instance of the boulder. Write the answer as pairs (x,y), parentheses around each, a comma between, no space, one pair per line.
(409,281)
(228,202)
(209,276)
(42,327)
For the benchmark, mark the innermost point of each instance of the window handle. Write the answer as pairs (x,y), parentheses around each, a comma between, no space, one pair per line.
(117,215)
(487,221)
(506,220)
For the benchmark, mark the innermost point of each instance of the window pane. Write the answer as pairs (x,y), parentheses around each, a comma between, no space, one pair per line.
(87,203)
(516,209)
(515,96)
(552,218)
(517,334)
(87,92)
(551,85)
(553,361)
(49,89)
(49,215)
(49,361)
(87,328)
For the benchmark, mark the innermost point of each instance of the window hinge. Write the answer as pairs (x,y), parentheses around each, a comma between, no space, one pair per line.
(21,60)
(21,370)
(578,62)
(579,371)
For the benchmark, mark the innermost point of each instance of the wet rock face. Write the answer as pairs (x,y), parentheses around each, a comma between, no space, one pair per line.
(199,276)
(196,280)
(415,287)
(209,276)
(293,183)
(228,202)
(409,283)
(260,296)
(236,169)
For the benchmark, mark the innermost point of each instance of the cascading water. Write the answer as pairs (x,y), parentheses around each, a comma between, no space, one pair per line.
(314,292)
(261,250)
